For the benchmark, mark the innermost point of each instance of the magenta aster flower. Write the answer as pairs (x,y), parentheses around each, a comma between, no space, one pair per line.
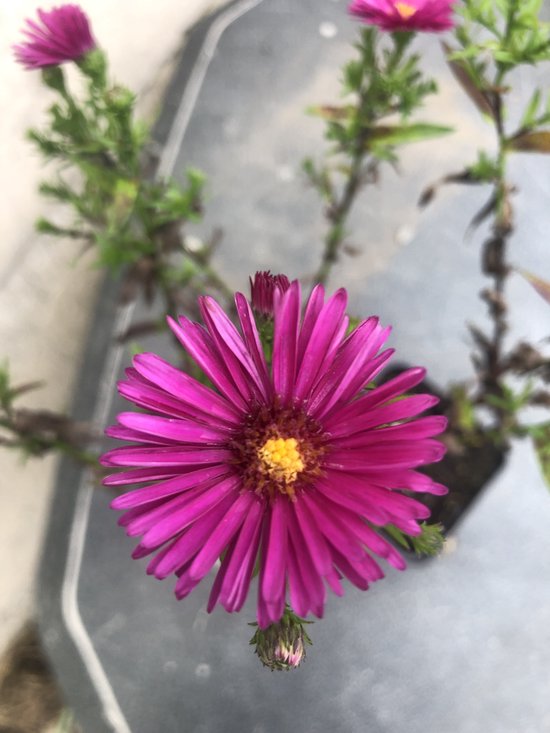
(63,36)
(291,465)
(407,15)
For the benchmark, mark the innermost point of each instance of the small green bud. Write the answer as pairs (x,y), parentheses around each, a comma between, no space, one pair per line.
(121,98)
(430,542)
(53,77)
(94,65)
(282,646)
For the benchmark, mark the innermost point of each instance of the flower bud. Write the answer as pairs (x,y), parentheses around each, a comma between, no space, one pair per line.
(282,646)
(262,290)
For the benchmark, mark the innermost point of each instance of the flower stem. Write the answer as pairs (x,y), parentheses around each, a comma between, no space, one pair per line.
(497,267)
(338,213)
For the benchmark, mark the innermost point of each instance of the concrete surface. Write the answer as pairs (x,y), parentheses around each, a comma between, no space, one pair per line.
(46,289)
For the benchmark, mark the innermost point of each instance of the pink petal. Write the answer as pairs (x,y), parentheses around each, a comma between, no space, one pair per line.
(186,546)
(274,559)
(285,343)
(322,334)
(239,573)
(180,518)
(337,422)
(198,343)
(221,536)
(175,485)
(311,314)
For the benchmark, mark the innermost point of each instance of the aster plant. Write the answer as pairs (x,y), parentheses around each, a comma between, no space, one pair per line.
(105,169)
(291,464)
(491,41)
(278,455)
(383,82)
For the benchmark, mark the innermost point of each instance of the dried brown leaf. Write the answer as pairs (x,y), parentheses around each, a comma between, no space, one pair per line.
(541,286)
(530,142)
(428,193)
(484,100)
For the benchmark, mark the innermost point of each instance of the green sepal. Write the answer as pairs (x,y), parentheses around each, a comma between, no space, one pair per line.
(428,543)
(541,442)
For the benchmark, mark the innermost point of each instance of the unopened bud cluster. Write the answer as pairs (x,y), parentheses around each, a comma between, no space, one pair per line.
(282,646)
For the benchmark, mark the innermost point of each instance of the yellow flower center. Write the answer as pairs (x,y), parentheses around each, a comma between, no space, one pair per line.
(405,10)
(281,459)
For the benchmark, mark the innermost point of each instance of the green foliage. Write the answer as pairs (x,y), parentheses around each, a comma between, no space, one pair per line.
(494,38)
(9,393)
(354,321)
(381,87)
(463,410)
(515,35)
(5,389)
(383,138)
(266,333)
(116,208)
(541,441)
(37,432)
(485,169)
(382,82)
(431,540)
(428,543)
(510,402)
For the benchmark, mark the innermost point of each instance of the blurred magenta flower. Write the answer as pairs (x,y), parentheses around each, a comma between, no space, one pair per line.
(410,15)
(292,465)
(64,35)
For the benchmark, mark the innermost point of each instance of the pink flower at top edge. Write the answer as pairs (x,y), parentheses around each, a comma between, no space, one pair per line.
(63,35)
(290,465)
(405,15)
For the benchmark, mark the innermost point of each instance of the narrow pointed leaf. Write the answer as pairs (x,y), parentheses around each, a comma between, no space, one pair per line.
(403,134)
(485,211)
(328,112)
(479,97)
(541,442)
(428,193)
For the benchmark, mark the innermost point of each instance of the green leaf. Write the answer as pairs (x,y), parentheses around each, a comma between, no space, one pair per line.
(404,134)
(530,114)
(470,83)
(541,442)
(353,75)
(485,168)
(428,543)
(464,409)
